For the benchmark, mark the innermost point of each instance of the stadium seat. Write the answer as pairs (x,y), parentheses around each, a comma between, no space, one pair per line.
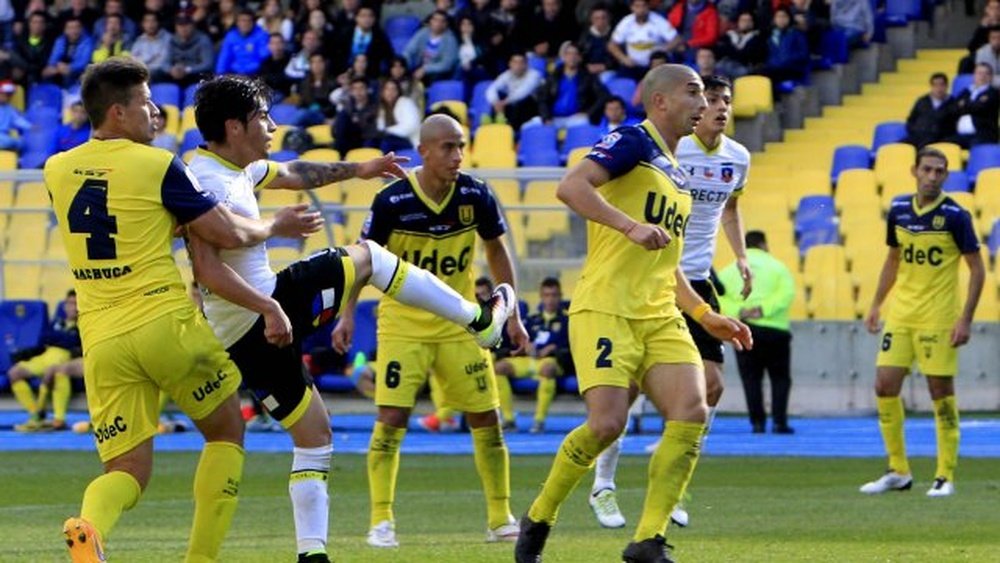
(585,135)
(365,327)
(22,322)
(818,234)
(540,64)
(322,135)
(321,155)
(361,155)
(22,281)
(966,200)
(888,132)
(898,13)
(164,93)
(952,152)
(988,191)
(192,140)
(847,158)
(457,107)
(833,47)
(541,157)
(479,106)
(982,157)
(624,88)
(897,186)
(960,83)
(46,95)
(56,279)
(993,240)
(8,160)
(279,198)
(188,121)
(413,155)
(894,159)
(542,225)
(856,188)
(957,181)
(496,142)
(540,139)
(814,211)
(283,156)
(832,298)
(403,26)
(285,114)
(752,95)
(507,191)
(445,90)
(189,94)
(172,117)
(576,155)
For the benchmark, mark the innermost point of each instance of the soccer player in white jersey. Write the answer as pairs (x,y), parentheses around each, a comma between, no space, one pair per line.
(717,169)
(246,299)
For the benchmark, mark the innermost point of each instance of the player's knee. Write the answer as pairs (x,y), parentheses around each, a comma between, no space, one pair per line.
(224,424)
(139,466)
(547,372)
(607,429)
(17,373)
(504,368)
(361,256)
(482,419)
(713,391)
(394,416)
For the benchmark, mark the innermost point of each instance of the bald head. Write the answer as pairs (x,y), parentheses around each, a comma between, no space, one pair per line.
(665,78)
(438,126)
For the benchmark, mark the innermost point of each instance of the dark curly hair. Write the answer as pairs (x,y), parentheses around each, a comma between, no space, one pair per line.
(226,97)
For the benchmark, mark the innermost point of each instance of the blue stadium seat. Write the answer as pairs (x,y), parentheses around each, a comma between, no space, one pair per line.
(982,157)
(833,47)
(334,383)
(538,63)
(585,135)
(48,95)
(402,26)
(538,138)
(478,105)
(192,139)
(568,384)
(888,132)
(398,43)
(445,90)
(815,211)
(44,116)
(524,385)
(848,157)
(413,155)
(960,82)
(365,326)
(827,234)
(541,157)
(22,324)
(284,156)
(993,239)
(4,383)
(957,181)
(284,114)
(898,13)
(165,93)
(189,93)
(624,88)
(33,160)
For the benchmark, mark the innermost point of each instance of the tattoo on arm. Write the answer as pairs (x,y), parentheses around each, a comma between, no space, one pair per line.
(316,174)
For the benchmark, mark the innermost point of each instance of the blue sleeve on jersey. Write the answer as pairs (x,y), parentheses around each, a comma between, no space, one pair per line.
(965,233)
(492,224)
(182,198)
(890,233)
(378,224)
(619,151)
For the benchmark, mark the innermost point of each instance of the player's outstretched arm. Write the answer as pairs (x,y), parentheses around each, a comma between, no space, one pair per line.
(886,279)
(732,225)
(578,190)
(977,277)
(213,274)
(502,269)
(305,175)
(224,229)
(720,326)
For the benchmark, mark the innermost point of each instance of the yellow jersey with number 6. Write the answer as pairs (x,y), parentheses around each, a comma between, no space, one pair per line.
(118,203)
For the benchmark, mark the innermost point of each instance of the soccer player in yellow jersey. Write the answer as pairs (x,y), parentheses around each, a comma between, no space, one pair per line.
(118,202)
(927,233)
(431,219)
(626,328)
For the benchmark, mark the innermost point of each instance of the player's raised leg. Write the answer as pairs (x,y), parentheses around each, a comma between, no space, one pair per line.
(891,416)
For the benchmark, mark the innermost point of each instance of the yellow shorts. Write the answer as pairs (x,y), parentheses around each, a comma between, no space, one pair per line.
(526,366)
(52,356)
(612,350)
(176,352)
(463,370)
(931,349)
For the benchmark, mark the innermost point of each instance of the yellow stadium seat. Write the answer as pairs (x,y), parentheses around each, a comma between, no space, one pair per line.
(576,155)
(56,280)
(988,309)
(320,241)
(361,155)
(823,261)
(55,250)
(799,311)
(897,186)
(952,152)
(493,147)
(855,188)
(360,192)
(752,95)
(8,160)
(279,198)
(17,98)
(172,115)
(32,194)
(278,139)
(723,252)
(27,235)
(806,182)
(321,155)
(330,193)
(21,281)
(322,134)
(507,191)
(516,232)
(568,280)
(832,298)
(966,200)
(541,225)
(783,248)
(188,122)
(892,160)
(987,192)
(282,256)
(353,221)
(456,107)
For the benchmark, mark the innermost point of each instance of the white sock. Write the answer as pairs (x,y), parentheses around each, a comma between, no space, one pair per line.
(638,406)
(307,485)
(709,421)
(606,466)
(417,287)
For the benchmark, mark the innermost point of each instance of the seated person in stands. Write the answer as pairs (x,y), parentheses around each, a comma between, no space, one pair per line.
(704,63)
(60,344)
(990,54)
(855,19)
(593,42)
(356,125)
(272,69)
(787,52)
(741,50)
(512,93)
(433,51)
(11,120)
(70,55)
(978,108)
(398,119)
(656,59)
(615,115)
(990,19)
(548,358)
(932,118)
(164,139)
(571,95)
(77,131)
(314,93)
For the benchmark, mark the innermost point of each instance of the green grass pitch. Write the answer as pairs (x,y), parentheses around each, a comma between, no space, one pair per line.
(743,509)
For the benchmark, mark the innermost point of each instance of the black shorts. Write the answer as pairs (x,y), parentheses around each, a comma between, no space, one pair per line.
(311,292)
(709,346)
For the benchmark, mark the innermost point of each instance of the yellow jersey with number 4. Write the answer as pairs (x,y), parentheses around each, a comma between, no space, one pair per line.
(117,204)
(620,277)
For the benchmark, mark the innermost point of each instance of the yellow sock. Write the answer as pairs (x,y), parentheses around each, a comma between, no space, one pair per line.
(107,497)
(24,395)
(216,486)
(946,422)
(493,465)
(670,469)
(573,460)
(506,398)
(61,391)
(890,422)
(43,397)
(383,465)
(546,393)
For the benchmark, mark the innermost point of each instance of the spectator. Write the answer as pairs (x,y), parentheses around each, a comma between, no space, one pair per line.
(978,109)
(615,115)
(32,50)
(164,139)
(314,93)
(79,10)
(159,7)
(551,26)
(704,62)
(298,65)
(812,18)
(479,11)
(932,118)
(355,125)
(244,47)
(855,19)
(990,19)
(656,59)
(342,18)
(112,42)
(210,19)
(70,55)
(433,51)
(342,92)
(272,20)
(398,119)
(511,94)
(990,54)
(787,52)
(471,59)
(272,70)
(507,31)
(411,88)
(366,38)
(152,48)
(594,41)
(10,120)
(128,27)
(192,57)
(697,21)
(641,33)
(571,95)
(77,131)
(765,311)
(328,40)
(742,50)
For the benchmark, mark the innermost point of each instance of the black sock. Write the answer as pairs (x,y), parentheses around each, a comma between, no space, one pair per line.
(483,320)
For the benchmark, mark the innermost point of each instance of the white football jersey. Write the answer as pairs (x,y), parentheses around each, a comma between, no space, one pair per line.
(235,188)
(713,177)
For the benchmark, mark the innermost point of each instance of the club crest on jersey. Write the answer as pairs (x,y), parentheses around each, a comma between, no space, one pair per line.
(466,214)
(708,172)
(727,174)
(938,222)
(609,140)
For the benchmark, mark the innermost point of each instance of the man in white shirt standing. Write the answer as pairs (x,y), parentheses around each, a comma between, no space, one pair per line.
(638,35)
(717,168)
